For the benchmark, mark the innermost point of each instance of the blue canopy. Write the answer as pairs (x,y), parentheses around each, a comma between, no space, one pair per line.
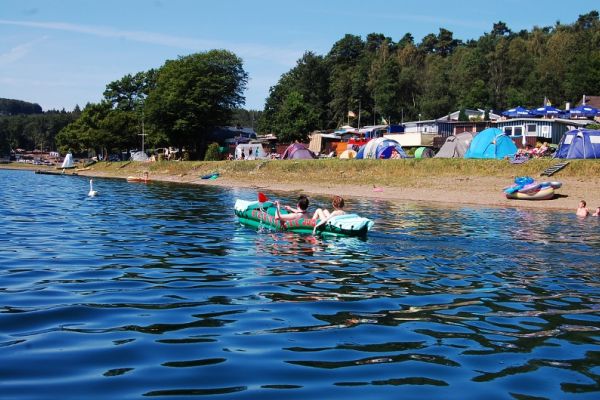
(517,112)
(584,111)
(547,111)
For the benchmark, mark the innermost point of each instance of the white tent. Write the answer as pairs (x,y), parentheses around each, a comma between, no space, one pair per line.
(139,156)
(251,151)
(68,161)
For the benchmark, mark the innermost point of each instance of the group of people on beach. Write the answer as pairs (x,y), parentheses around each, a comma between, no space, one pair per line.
(582,210)
(539,150)
(322,215)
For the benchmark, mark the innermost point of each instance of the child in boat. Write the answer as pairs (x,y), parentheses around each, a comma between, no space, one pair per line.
(293,213)
(323,215)
(582,211)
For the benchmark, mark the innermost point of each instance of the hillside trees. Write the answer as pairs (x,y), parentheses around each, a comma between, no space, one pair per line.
(407,80)
(18,107)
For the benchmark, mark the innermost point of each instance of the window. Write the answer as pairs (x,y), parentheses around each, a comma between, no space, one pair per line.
(518,131)
(531,128)
(569,139)
(508,130)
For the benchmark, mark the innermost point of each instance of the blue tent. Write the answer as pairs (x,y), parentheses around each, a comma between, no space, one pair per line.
(380,148)
(517,112)
(491,143)
(547,111)
(583,112)
(579,143)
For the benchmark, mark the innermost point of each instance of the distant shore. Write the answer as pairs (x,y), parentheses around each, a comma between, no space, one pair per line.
(430,181)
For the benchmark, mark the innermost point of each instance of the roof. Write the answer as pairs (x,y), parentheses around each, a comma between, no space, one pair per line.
(581,122)
(593,101)
(470,113)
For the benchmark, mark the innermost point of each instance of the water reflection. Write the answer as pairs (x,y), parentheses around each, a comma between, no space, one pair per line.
(156,290)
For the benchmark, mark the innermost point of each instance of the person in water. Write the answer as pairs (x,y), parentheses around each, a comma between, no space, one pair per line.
(323,215)
(582,210)
(597,212)
(293,213)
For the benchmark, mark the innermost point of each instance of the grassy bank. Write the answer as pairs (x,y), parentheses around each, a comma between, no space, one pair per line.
(401,173)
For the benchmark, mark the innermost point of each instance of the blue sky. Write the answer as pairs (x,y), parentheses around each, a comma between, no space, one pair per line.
(59,53)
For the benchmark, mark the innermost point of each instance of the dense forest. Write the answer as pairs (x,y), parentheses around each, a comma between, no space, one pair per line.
(376,78)
(403,80)
(18,107)
(26,127)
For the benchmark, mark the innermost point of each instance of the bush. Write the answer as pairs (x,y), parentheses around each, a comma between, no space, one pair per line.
(212,152)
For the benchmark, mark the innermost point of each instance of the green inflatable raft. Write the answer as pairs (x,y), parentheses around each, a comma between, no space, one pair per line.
(262,215)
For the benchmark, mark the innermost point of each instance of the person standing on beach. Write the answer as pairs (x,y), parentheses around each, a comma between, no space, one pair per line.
(582,210)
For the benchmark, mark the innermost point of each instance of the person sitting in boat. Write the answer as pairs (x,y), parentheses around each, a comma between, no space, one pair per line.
(323,215)
(582,210)
(293,213)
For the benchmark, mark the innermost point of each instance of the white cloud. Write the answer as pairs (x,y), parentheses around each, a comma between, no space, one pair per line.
(245,50)
(18,52)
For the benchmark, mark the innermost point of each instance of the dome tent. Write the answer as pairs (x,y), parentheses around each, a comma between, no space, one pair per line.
(380,148)
(579,143)
(347,154)
(455,146)
(298,151)
(491,143)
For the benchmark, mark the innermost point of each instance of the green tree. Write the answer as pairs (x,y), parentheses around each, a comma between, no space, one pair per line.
(93,130)
(212,152)
(194,95)
(129,92)
(296,119)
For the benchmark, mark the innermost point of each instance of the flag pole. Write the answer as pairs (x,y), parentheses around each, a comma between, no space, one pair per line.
(358,114)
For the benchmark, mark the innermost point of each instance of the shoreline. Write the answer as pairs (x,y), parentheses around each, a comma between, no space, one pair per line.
(458,189)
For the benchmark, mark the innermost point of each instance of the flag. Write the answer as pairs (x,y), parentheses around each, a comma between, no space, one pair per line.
(351,114)
(262,198)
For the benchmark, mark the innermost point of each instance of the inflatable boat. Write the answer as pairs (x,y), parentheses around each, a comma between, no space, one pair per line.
(545,193)
(525,188)
(261,215)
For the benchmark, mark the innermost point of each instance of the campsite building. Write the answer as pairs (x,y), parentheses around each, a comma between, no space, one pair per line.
(531,130)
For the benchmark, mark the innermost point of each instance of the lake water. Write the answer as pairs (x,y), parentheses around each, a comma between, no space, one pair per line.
(156,291)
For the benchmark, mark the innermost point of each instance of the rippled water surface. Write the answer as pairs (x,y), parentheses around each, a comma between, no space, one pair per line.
(156,291)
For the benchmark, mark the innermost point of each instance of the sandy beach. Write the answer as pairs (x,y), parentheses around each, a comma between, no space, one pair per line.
(455,189)
(461,190)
